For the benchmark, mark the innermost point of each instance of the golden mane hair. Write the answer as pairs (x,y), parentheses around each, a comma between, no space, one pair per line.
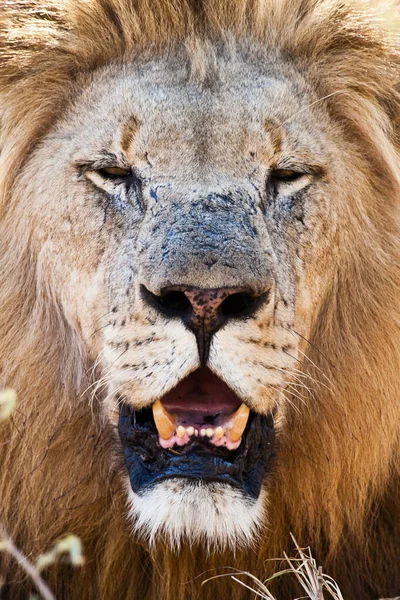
(57,473)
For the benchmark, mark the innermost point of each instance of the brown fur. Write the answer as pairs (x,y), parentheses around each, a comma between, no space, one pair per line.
(345,444)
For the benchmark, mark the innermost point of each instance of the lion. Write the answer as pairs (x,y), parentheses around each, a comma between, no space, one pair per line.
(199,233)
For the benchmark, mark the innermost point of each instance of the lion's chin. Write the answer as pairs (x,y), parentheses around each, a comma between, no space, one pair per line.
(181,511)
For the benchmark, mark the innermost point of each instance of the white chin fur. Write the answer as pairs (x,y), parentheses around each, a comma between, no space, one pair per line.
(184,511)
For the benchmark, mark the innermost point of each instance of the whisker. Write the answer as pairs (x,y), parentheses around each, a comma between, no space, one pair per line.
(91,369)
(317,367)
(96,321)
(97,330)
(102,316)
(296,394)
(103,380)
(293,332)
(281,393)
(310,105)
(315,347)
(112,396)
(310,360)
(306,375)
(300,383)
(299,395)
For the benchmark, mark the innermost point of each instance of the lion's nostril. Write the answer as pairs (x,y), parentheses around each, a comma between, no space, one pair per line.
(171,303)
(239,305)
(175,302)
(236,305)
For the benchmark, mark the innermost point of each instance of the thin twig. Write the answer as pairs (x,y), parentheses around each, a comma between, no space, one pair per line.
(29,568)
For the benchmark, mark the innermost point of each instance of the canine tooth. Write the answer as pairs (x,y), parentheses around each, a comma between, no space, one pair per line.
(190,431)
(203,432)
(219,432)
(210,432)
(196,432)
(238,423)
(180,431)
(164,421)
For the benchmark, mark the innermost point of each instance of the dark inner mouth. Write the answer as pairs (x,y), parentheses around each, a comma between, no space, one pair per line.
(200,430)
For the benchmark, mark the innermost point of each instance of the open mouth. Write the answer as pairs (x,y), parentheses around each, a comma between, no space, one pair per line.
(199,430)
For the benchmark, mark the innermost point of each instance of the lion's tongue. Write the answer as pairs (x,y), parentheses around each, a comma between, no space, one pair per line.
(202,393)
(200,405)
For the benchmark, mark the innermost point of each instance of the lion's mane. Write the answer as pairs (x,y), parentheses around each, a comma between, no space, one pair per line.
(336,486)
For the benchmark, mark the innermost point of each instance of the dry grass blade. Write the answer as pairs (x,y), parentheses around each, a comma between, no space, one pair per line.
(70,545)
(7,403)
(312,579)
(262,591)
(7,545)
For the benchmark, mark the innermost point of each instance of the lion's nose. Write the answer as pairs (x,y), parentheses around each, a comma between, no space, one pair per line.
(204,311)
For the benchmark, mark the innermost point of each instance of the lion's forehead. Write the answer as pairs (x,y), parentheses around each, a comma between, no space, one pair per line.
(233,110)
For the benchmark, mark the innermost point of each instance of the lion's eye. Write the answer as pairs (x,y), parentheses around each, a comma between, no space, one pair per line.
(122,185)
(114,172)
(286,175)
(287,182)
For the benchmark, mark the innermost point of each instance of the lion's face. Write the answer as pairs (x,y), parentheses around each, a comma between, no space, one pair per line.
(183,220)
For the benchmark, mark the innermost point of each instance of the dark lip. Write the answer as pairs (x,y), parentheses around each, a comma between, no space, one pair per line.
(148,464)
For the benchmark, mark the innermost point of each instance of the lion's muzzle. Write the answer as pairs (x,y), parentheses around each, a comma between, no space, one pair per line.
(206,269)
